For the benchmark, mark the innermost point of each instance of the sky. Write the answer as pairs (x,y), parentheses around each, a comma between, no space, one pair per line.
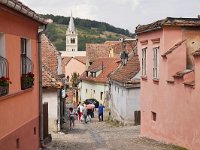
(126,14)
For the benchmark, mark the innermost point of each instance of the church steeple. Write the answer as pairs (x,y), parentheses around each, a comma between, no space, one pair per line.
(71,27)
(71,36)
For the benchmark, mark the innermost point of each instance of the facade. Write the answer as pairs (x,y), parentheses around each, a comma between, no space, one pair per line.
(170,65)
(94,81)
(19,80)
(52,83)
(125,91)
(73,64)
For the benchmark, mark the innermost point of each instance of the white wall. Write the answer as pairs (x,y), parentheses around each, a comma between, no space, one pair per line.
(124,102)
(50,96)
(98,87)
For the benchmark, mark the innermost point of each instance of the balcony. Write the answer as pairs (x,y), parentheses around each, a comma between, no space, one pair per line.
(4,76)
(27,78)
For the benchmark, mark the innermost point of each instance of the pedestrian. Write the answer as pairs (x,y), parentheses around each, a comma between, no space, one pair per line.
(71,117)
(80,111)
(84,114)
(92,113)
(89,111)
(100,109)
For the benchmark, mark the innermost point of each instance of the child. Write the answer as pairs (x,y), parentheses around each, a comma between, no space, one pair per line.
(71,117)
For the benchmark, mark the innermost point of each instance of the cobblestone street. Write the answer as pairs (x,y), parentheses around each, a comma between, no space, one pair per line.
(104,136)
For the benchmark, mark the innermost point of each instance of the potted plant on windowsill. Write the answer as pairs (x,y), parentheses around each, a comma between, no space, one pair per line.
(4,85)
(27,80)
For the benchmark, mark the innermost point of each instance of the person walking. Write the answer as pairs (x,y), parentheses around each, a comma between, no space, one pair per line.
(71,117)
(84,114)
(100,109)
(80,112)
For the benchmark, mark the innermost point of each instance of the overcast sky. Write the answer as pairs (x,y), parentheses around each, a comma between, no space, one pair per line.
(125,14)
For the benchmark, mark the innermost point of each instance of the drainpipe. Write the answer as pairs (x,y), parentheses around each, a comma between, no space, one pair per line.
(42,145)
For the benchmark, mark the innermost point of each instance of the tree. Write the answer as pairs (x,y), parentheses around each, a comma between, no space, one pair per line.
(75,79)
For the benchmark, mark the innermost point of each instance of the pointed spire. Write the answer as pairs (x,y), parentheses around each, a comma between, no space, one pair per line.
(71,26)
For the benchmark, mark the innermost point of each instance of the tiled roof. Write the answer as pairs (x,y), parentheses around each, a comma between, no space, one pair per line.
(49,63)
(169,21)
(126,72)
(196,53)
(173,48)
(94,51)
(23,9)
(108,65)
(111,42)
(82,59)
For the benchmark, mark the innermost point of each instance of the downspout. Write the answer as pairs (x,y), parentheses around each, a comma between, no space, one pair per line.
(42,145)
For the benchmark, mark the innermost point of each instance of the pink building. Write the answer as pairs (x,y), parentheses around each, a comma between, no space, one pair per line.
(169,53)
(19,63)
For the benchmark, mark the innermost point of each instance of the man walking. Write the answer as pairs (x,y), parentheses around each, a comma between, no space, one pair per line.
(101,107)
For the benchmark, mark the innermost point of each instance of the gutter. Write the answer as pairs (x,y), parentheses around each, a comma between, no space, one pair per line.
(42,145)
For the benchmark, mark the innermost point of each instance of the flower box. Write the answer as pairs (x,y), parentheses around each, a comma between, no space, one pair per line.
(4,90)
(4,85)
(27,81)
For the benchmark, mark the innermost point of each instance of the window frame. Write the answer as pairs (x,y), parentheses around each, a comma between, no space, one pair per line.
(144,61)
(156,52)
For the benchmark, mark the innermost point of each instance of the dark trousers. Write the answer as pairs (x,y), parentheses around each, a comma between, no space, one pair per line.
(100,116)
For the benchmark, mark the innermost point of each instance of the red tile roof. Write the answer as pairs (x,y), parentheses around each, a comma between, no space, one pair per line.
(94,51)
(82,59)
(49,63)
(108,65)
(126,72)
(169,21)
(23,9)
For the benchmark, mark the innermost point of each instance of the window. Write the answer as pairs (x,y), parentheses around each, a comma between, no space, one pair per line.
(144,61)
(101,95)
(86,91)
(153,116)
(72,40)
(4,72)
(27,76)
(156,62)
(94,91)
(2,45)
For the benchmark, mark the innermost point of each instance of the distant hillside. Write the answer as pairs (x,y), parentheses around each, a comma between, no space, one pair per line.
(88,31)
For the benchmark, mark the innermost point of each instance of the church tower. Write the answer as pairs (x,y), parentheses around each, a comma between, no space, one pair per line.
(71,37)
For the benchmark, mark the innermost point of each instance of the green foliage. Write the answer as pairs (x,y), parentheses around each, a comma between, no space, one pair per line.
(75,79)
(88,32)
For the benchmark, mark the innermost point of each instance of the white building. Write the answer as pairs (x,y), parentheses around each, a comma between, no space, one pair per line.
(94,81)
(51,85)
(125,91)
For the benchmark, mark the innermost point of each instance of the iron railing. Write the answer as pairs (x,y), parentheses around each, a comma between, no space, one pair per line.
(27,81)
(4,76)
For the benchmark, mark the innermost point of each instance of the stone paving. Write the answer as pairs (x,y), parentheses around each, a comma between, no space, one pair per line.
(104,136)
